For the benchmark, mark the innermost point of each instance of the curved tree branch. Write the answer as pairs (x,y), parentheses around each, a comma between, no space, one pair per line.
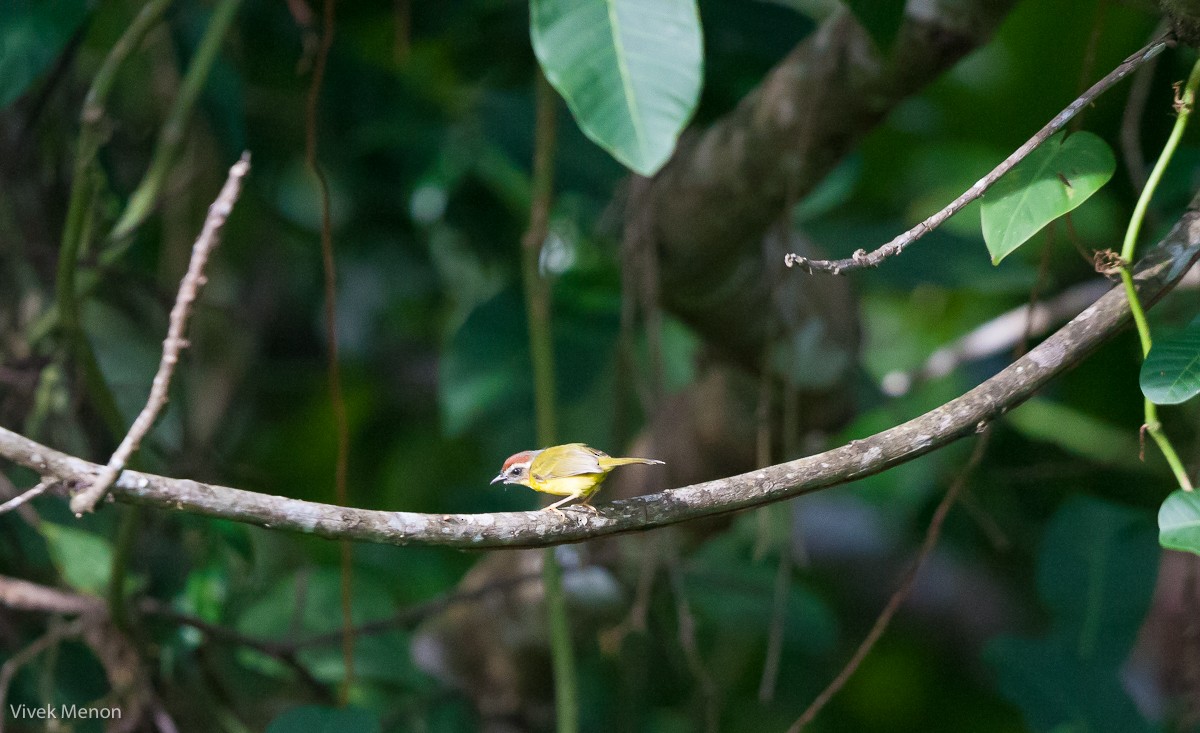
(1156,274)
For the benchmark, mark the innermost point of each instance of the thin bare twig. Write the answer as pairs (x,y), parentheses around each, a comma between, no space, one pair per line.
(793,540)
(691,651)
(1035,292)
(56,633)
(409,617)
(635,621)
(25,596)
(861,258)
(988,525)
(1088,64)
(906,586)
(783,582)
(22,595)
(1131,121)
(337,397)
(189,288)
(15,502)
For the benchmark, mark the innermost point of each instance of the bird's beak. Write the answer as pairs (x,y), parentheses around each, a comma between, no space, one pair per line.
(498,479)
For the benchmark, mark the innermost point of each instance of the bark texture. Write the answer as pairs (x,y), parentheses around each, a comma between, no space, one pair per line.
(1162,267)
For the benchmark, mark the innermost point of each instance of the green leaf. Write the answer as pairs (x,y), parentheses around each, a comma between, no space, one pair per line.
(629,70)
(1058,694)
(320,719)
(82,558)
(1171,372)
(1055,178)
(1096,574)
(1179,522)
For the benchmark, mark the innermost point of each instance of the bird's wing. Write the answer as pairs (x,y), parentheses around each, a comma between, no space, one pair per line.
(573,460)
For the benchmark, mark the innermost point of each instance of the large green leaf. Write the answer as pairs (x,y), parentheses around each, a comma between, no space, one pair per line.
(1096,574)
(629,70)
(1056,693)
(1171,372)
(1055,178)
(1179,522)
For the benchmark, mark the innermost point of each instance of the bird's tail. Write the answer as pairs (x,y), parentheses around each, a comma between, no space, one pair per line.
(613,462)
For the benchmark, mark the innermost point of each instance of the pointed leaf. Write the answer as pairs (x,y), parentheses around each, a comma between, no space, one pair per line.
(629,70)
(82,558)
(1055,178)
(1171,372)
(1179,522)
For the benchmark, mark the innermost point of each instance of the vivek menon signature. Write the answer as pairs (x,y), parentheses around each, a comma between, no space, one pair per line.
(64,712)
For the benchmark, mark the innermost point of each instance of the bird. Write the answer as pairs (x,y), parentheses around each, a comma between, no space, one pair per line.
(572,471)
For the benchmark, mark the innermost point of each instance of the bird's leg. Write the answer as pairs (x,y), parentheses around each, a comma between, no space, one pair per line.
(586,505)
(554,507)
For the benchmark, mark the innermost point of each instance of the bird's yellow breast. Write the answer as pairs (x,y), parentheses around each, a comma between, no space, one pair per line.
(582,484)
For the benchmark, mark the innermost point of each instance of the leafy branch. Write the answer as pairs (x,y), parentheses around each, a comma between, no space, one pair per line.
(861,258)
(1152,425)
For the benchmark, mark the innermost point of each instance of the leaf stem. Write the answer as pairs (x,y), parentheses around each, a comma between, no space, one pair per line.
(541,350)
(537,292)
(90,135)
(337,397)
(170,137)
(127,532)
(1183,106)
(75,233)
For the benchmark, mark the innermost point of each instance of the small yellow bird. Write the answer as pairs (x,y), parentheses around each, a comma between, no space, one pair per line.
(573,471)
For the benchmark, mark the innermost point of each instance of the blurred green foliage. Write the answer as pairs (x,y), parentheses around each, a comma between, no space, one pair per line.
(425,133)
